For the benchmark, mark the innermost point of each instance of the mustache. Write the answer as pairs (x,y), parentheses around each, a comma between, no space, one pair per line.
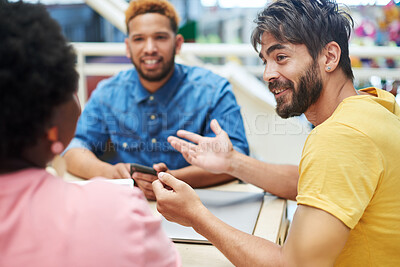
(280,84)
(153,54)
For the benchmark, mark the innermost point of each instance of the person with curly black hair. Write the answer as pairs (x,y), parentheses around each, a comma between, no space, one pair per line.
(45,221)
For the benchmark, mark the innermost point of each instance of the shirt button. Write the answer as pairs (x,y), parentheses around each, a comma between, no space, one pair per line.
(151,98)
(152,117)
(125,145)
(153,140)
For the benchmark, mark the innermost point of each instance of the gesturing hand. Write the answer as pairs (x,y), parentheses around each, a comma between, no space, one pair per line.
(176,200)
(210,153)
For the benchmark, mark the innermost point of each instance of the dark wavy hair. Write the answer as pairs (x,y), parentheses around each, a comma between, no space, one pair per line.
(313,23)
(37,73)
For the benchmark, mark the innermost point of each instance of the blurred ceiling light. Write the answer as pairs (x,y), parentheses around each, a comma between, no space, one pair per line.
(208,2)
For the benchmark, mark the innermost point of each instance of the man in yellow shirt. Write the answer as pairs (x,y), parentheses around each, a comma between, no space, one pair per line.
(349,174)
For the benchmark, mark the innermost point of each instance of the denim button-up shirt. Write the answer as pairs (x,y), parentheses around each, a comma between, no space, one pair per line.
(138,123)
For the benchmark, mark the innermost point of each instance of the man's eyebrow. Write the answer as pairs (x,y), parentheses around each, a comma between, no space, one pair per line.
(133,34)
(161,32)
(275,47)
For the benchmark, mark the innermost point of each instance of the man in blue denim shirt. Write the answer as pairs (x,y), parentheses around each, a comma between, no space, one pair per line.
(135,111)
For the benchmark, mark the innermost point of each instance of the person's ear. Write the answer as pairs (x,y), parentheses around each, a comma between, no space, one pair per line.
(332,53)
(178,43)
(127,50)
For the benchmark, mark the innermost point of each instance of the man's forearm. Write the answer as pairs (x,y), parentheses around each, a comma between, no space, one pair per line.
(280,180)
(240,248)
(83,163)
(198,177)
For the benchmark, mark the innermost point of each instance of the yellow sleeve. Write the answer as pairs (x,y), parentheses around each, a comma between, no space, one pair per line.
(339,172)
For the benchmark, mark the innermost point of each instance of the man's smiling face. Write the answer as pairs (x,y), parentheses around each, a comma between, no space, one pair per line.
(152,45)
(292,75)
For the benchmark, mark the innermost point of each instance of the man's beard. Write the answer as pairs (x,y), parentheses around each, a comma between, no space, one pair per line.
(307,93)
(155,77)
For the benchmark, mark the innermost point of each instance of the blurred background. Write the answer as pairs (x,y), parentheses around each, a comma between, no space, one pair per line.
(377,24)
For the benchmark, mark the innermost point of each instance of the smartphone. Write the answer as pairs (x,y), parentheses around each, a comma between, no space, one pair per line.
(141,168)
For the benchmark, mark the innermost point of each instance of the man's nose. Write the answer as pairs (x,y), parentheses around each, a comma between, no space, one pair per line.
(150,46)
(270,73)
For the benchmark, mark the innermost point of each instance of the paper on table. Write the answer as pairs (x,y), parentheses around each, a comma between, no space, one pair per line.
(125,182)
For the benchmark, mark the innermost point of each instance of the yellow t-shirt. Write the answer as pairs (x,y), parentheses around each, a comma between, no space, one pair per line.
(350,168)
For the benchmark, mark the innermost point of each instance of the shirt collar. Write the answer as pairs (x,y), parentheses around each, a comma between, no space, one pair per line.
(166,92)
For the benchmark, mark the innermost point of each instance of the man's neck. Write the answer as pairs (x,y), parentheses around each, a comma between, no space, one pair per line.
(153,86)
(336,89)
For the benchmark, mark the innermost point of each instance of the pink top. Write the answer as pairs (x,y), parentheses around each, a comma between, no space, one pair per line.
(45,221)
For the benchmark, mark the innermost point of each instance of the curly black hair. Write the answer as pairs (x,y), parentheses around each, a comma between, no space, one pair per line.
(37,73)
